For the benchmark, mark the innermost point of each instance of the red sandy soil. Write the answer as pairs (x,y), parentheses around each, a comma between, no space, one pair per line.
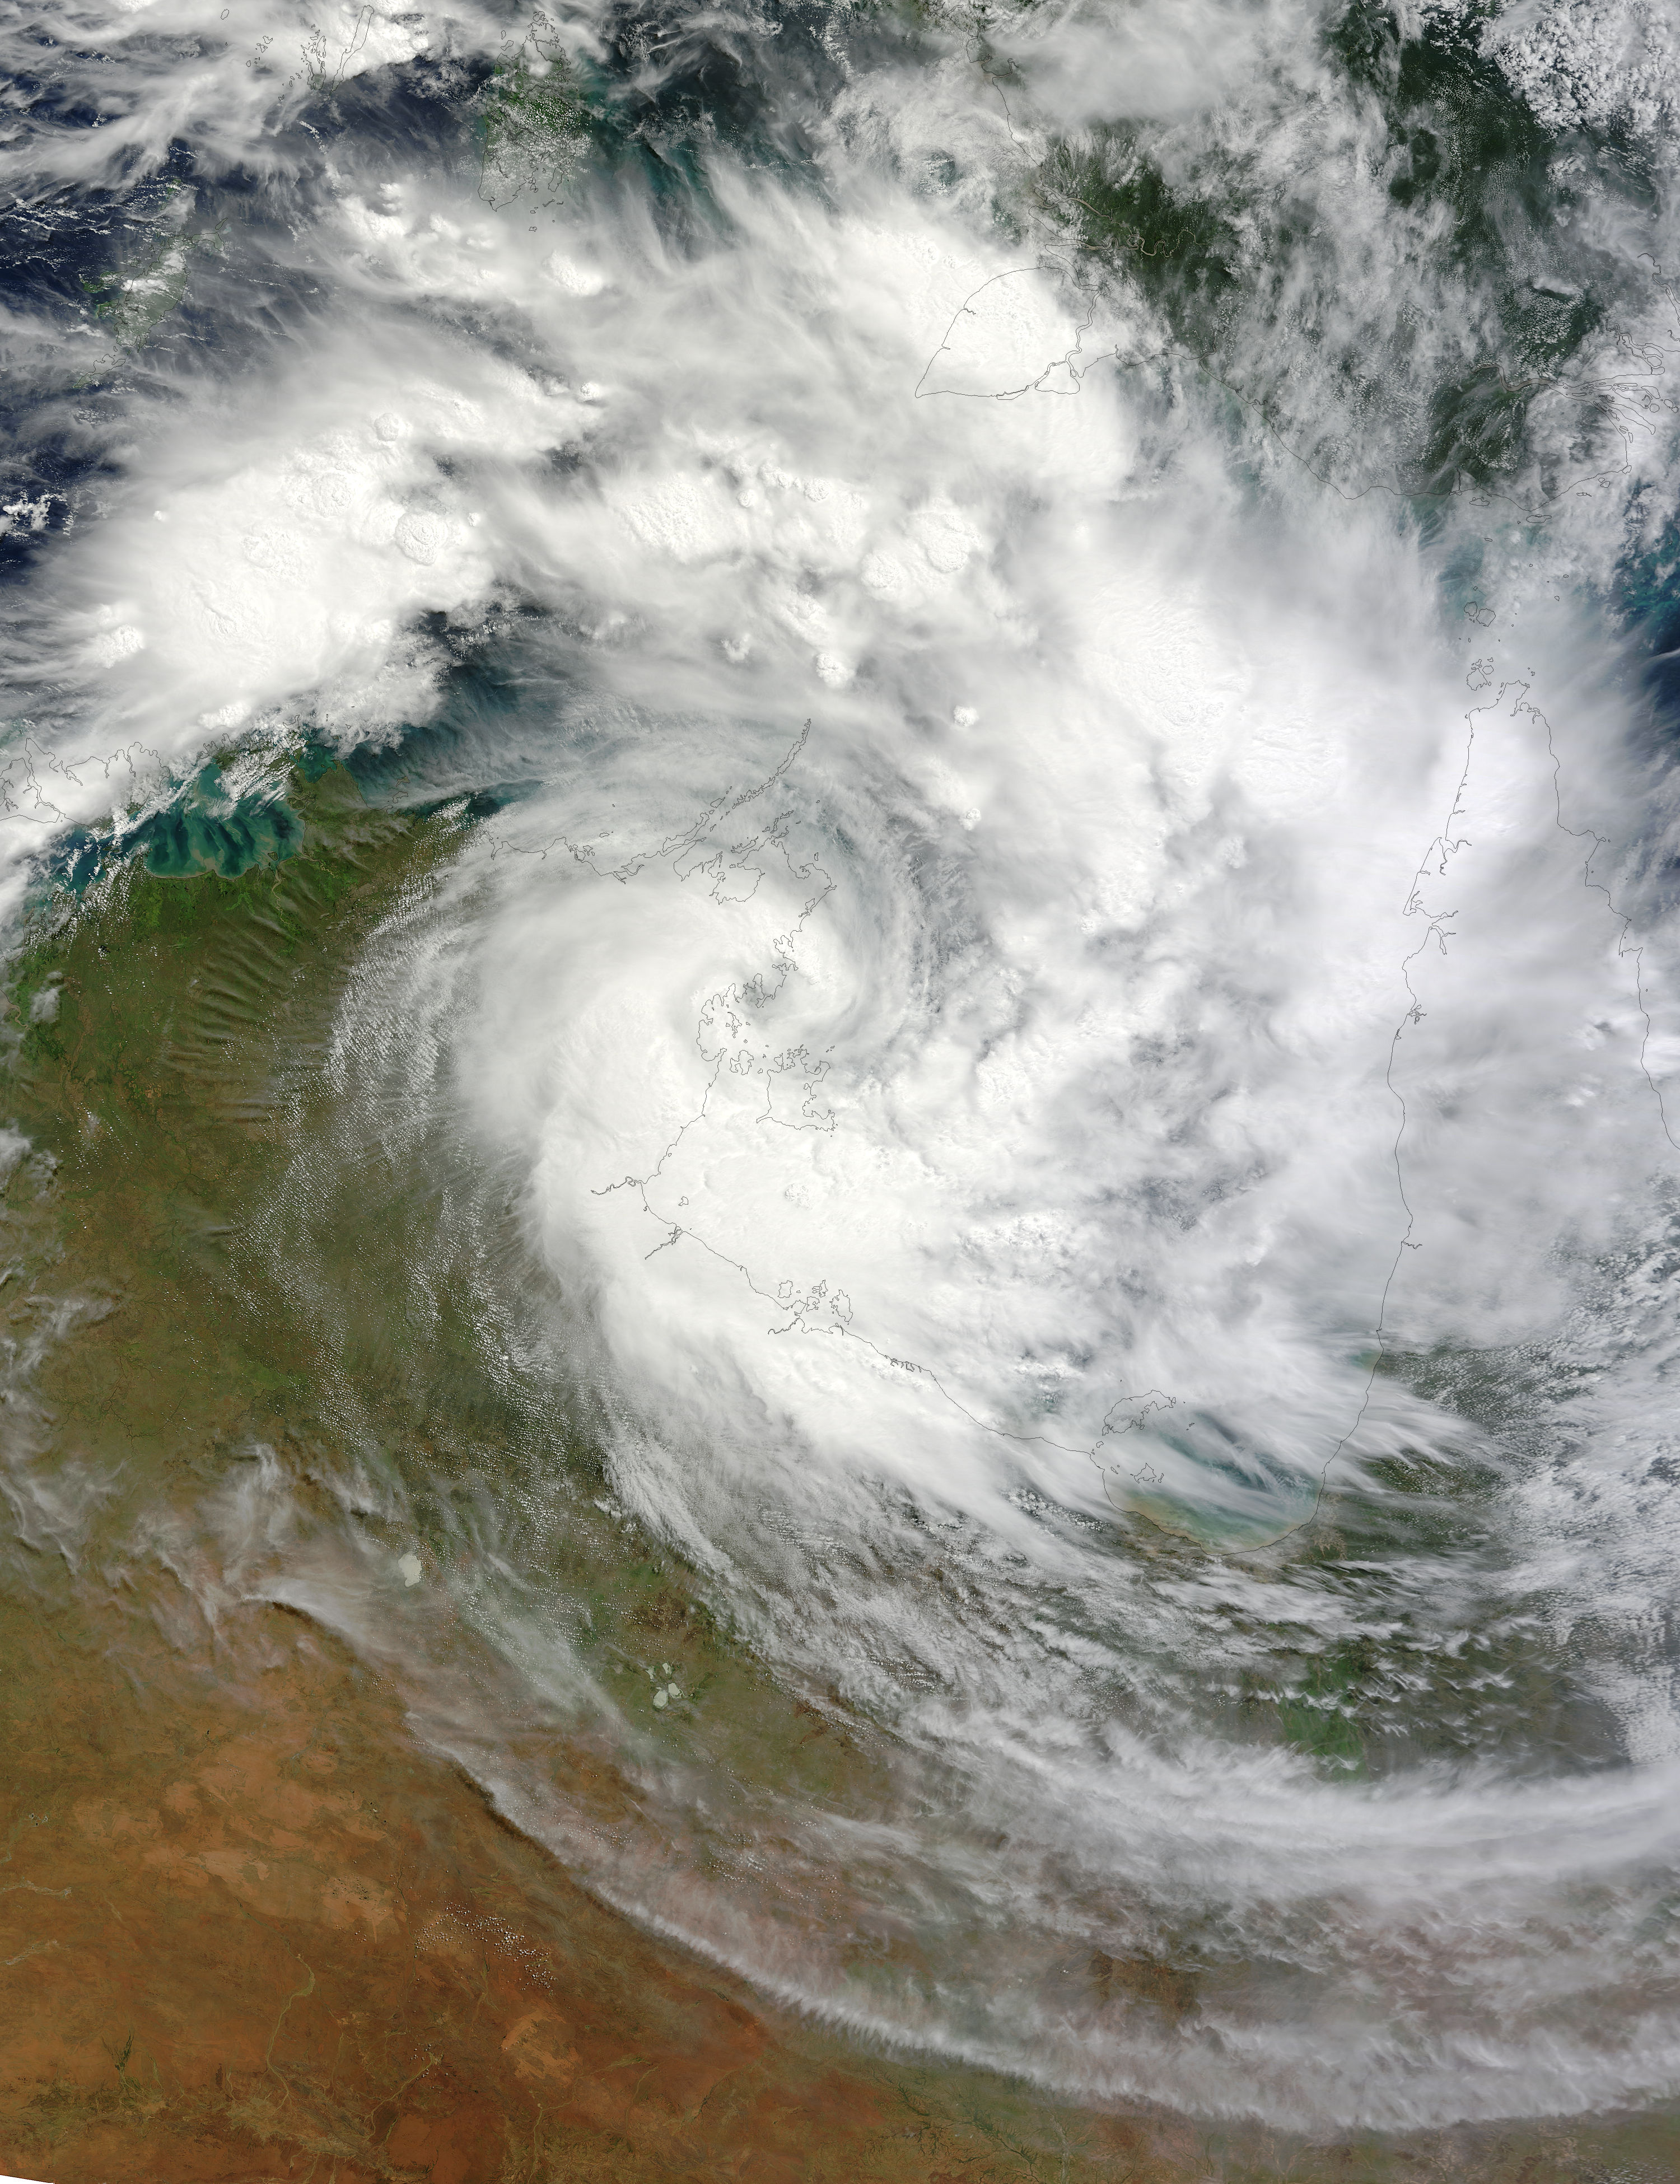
(247,1930)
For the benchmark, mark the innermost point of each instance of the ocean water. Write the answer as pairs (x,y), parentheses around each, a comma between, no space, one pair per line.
(987,1275)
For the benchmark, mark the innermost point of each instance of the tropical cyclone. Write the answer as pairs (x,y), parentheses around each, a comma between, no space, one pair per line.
(713,1211)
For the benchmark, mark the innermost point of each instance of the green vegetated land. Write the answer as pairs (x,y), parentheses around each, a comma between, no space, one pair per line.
(165,1022)
(1508,302)
(534,121)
